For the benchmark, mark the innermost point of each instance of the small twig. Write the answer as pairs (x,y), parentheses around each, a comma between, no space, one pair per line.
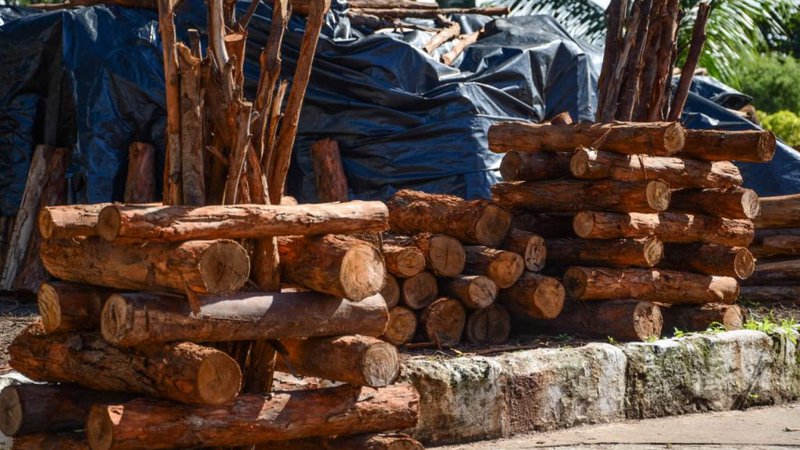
(244,21)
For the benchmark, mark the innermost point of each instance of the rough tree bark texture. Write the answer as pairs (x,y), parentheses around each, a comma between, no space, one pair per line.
(781,211)
(643,252)
(140,185)
(534,296)
(789,295)
(717,145)
(710,259)
(58,222)
(71,307)
(73,440)
(521,166)
(699,318)
(545,225)
(733,203)
(328,171)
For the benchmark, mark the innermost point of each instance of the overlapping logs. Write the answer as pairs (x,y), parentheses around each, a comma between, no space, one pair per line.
(535,166)
(534,296)
(71,307)
(699,318)
(719,145)
(501,266)
(623,320)
(60,222)
(474,291)
(403,261)
(642,252)
(444,255)
(789,295)
(777,245)
(528,245)
(734,203)
(735,262)
(391,291)
(547,225)
(779,212)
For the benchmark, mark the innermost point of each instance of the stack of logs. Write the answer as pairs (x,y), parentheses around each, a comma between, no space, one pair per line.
(647,214)
(776,245)
(143,285)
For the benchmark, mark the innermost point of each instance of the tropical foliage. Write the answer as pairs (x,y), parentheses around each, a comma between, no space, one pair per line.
(785,125)
(773,80)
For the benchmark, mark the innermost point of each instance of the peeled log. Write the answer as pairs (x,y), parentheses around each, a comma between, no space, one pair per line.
(594,283)
(669,227)
(534,296)
(183,372)
(358,360)
(501,266)
(59,222)
(253,419)
(781,211)
(359,442)
(735,262)
(546,225)
(183,223)
(391,292)
(528,245)
(521,166)
(699,318)
(401,327)
(473,221)
(419,291)
(443,321)
(204,267)
(589,164)
(73,440)
(137,319)
(654,138)
(71,307)
(403,261)
(643,252)
(474,291)
(444,255)
(734,203)
(719,145)
(772,294)
(488,326)
(576,195)
(46,408)
(341,266)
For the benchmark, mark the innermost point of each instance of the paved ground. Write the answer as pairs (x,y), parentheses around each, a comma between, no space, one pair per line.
(763,428)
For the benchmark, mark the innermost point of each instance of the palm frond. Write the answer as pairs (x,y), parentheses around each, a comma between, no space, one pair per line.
(581,18)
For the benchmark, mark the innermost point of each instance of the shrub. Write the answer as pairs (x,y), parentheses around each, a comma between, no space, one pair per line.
(785,125)
(772,81)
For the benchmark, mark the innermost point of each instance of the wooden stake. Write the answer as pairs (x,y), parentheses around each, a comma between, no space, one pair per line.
(329,171)
(140,185)
(687,73)
(172,161)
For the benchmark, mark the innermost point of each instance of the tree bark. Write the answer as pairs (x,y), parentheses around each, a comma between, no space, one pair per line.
(537,166)
(687,73)
(443,321)
(545,225)
(615,17)
(778,245)
(418,291)
(403,261)
(183,223)
(781,211)
(501,266)
(139,319)
(391,291)
(358,442)
(643,252)
(669,227)
(718,145)
(474,291)
(528,245)
(252,419)
(488,326)
(341,266)
(534,296)
(789,295)
(140,184)
(58,222)
(780,273)
(590,164)
(656,138)
(577,195)
(203,267)
(587,283)
(192,132)
(73,440)
(329,171)
(402,326)
(734,203)
(172,160)
(700,318)
(183,372)
(735,262)
(472,222)
(71,307)
(444,255)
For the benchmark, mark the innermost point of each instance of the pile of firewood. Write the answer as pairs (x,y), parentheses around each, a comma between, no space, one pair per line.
(648,214)
(776,245)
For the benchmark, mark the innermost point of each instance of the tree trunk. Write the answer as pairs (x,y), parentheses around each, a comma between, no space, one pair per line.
(669,227)
(403,261)
(401,327)
(474,291)
(329,171)
(444,256)
(47,408)
(735,203)
(781,211)
(358,360)
(521,166)
(472,222)
(789,295)
(74,440)
(183,223)
(656,138)
(443,321)
(643,252)
(718,145)
(577,195)
(419,291)
(735,262)
(501,266)
(359,442)
(488,326)
(586,283)
(391,291)
(545,225)
(589,164)
(341,266)
(530,246)
(778,245)
(700,318)
(138,319)
(534,296)
(71,307)
(140,184)
(183,372)
(203,267)
(59,222)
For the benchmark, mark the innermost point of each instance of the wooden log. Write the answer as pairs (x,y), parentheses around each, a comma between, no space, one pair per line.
(419,291)
(204,267)
(537,166)
(735,262)
(631,82)
(577,195)
(391,291)
(137,319)
(443,321)
(358,442)
(403,261)
(71,307)
(778,245)
(72,440)
(545,225)
(615,16)
(192,131)
(252,419)
(733,203)
(534,296)
(444,255)
(789,295)
(140,183)
(664,61)
(450,31)
(781,211)
(60,222)
(667,286)
(701,317)
(474,291)
(501,266)
(787,274)
(655,138)
(183,223)
(473,221)
(669,227)
(341,266)
(358,360)
(590,164)
(528,245)
(172,164)
(46,408)
(623,320)
(183,372)
(718,145)
(643,252)
(461,43)
(401,327)
(329,174)
(488,326)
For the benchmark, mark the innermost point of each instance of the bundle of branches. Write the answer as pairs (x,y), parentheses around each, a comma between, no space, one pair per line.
(640,54)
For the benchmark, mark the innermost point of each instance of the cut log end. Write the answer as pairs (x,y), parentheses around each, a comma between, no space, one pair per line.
(401,327)
(493,225)
(405,262)
(750,204)
(45,223)
(446,256)
(391,292)
(674,137)
(535,254)
(114,319)
(224,267)
(548,298)
(575,282)
(733,319)
(100,427)
(419,291)
(583,224)
(49,307)
(579,164)
(363,272)
(766,146)
(744,264)
(444,321)
(108,223)
(658,195)
(380,365)
(510,166)
(482,291)
(11,414)
(653,251)
(506,269)
(647,320)
(219,379)
(490,325)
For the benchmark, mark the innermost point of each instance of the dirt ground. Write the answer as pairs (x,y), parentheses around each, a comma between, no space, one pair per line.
(14,317)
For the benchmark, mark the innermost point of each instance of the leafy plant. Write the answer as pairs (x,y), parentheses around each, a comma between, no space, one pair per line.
(771,326)
(771,79)
(678,333)
(785,125)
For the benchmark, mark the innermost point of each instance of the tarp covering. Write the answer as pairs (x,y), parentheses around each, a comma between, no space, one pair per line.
(93,78)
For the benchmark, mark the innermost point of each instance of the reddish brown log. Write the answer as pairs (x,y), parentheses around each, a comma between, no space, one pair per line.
(488,326)
(781,211)
(192,133)
(777,245)
(58,222)
(534,296)
(630,94)
(700,318)
(443,321)
(182,372)
(789,295)
(733,203)
(587,283)
(444,256)
(71,307)
(521,166)
(643,252)
(359,442)
(735,262)
(401,327)
(718,145)
(528,245)
(474,222)
(73,440)
(268,96)
(545,225)
(501,266)
(391,291)
(403,261)
(329,171)
(687,73)
(615,16)
(419,291)
(140,185)
(763,233)
(474,291)
(172,160)
(781,273)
